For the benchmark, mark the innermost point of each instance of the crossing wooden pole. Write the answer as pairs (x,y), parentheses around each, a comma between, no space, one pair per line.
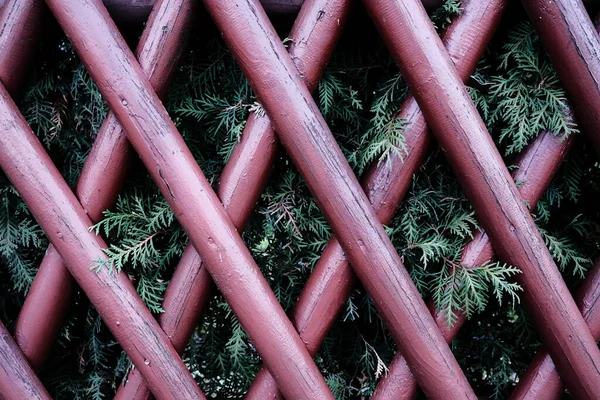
(64,221)
(17,378)
(456,124)
(541,380)
(385,184)
(308,141)
(101,180)
(313,36)
(536,166)
(170,163)
(571,41)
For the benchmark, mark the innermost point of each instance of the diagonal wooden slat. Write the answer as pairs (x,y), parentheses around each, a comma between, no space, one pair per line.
(64,221)
(385,184)
(101,180)
(138,10)
(20,23)
(308,141)
(542,381)
(537,164)
(19,28)
(458,127)
(244,177)
(17,378)
(196,206)
(15,15)
(571,41)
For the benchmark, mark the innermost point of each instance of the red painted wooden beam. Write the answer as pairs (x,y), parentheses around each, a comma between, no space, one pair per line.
(162,149)
(17,379)
(20,23)
(310,144)
(101,180)
(332,279)
(542,381)
(138,10)
(572,43)
(65,222)
(313,37)
(537,164)
(455,122)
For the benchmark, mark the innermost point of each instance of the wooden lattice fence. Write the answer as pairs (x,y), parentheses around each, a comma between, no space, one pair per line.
(283,79)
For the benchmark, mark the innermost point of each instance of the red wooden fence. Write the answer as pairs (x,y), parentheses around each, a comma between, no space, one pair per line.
(283,79)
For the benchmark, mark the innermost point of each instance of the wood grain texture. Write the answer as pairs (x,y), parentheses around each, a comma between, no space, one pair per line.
(172,166)
(20,28)
(308,140)
(537,164)
(332,279)
(314,34)
(65,222)
(17,378)
(456,124)
(571,41)
(102,177)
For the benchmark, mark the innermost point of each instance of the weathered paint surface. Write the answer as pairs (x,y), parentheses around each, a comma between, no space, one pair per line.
(571,41)
(455,122)
(172,166)
(65,222)
(308,140)
(244,177)
(17,378)
(101,180)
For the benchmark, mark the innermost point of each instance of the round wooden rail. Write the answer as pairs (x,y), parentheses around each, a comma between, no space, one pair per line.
(573,44)
(314,35)
(17,378)
(101,180)
(541,380)
(481,239)
(459,129)
(170,163)
(537,164)
(308,141)
(385,184)
(65,222)
(128,313)
(20,29)
(54,282)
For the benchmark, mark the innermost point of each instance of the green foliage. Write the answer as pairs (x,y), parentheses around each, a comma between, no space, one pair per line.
(20,237)
(466,289)
(384,136)
(442,17)
(148,240)
(526,95)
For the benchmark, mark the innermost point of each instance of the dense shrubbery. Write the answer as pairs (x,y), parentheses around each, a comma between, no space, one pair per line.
(515,88)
